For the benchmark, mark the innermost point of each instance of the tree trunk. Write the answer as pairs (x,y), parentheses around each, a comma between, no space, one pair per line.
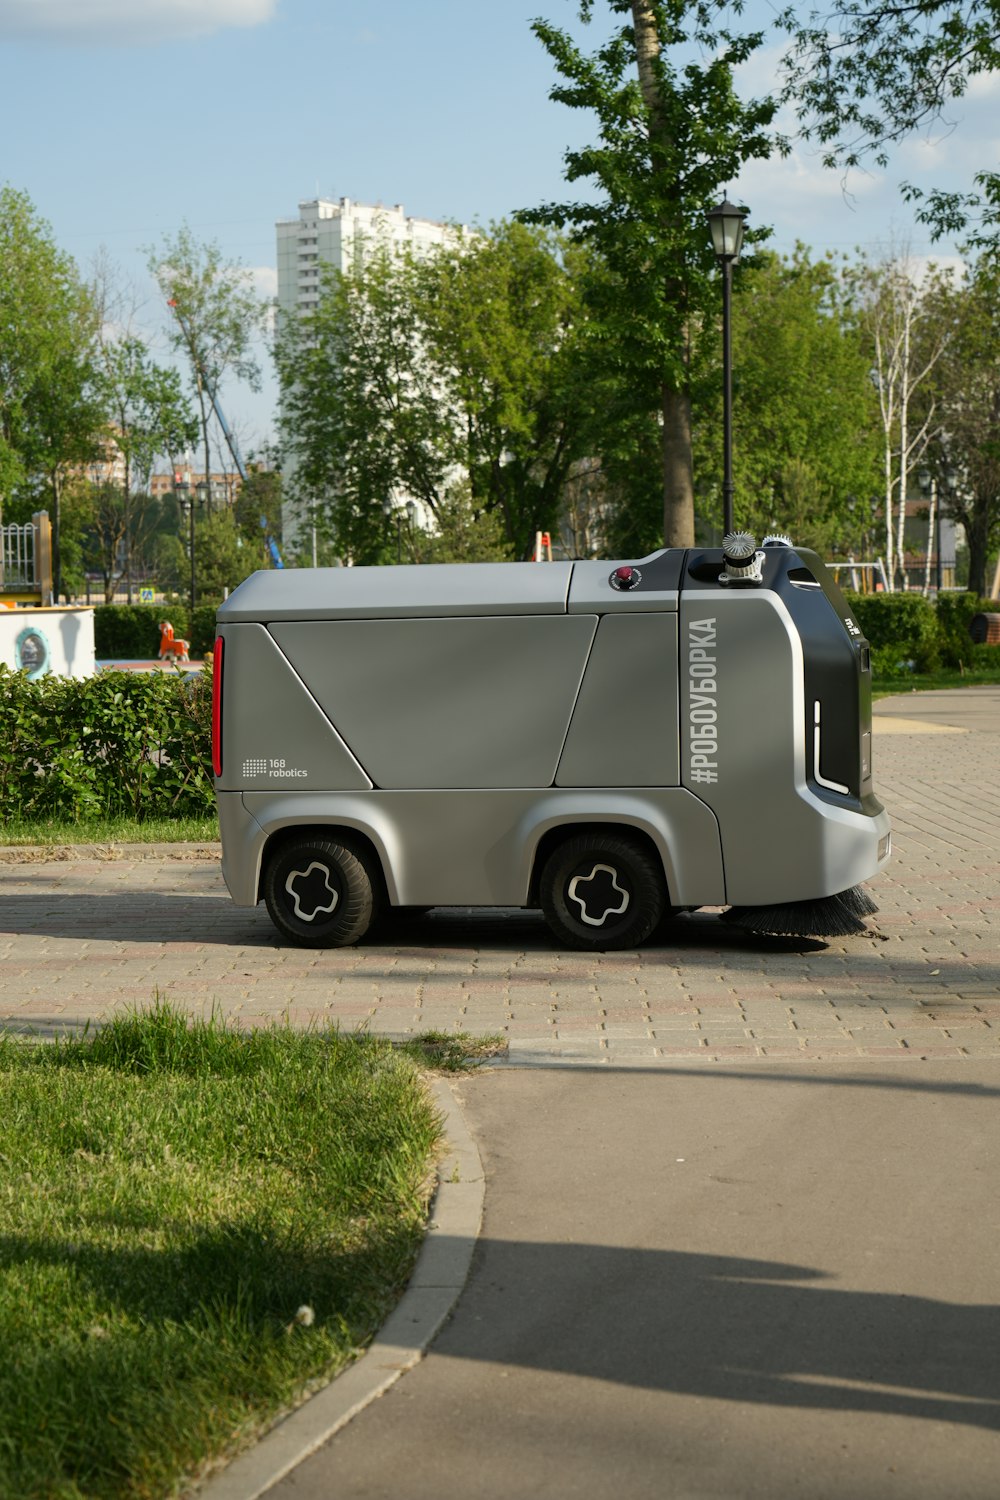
(647,50)
(678,484)
(977,530)
(678,466)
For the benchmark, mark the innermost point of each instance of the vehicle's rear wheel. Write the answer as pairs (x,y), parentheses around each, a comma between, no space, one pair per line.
(602,891)
(319,892)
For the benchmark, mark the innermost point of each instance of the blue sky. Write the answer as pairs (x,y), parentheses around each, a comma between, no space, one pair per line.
(123,119)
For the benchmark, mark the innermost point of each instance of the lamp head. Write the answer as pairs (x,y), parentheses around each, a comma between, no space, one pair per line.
(726,223)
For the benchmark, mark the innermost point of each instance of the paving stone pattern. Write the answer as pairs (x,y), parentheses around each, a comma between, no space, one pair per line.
(83,937)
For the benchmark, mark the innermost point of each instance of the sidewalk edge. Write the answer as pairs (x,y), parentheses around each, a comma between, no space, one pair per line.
(440,1273)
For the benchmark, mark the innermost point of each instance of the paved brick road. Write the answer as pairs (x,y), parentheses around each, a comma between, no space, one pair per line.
(80,938)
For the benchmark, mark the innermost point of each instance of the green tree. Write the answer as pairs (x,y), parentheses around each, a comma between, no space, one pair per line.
(49,419)
(866,74)
(413,376)
(673,133)
(148,417)
(171,566)
(360,417)
(106,532)
(258,510)
(804,424)
(466,532)
(502,320)
(805,434)
(966,454)
(217,317)
(222,560)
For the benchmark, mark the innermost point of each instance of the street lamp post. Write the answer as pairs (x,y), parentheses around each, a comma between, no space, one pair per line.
(726,223)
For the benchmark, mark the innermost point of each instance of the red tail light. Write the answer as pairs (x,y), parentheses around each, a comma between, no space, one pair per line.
(217,707)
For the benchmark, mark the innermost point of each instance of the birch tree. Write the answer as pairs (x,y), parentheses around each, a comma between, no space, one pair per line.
(216,320)
(907,338)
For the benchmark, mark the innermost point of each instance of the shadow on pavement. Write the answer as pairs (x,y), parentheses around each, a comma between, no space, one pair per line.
(157,916)
(727,1328)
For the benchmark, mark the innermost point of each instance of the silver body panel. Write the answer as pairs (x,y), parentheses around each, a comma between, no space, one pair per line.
(624,726)
(395,592)
(475,848)
(446,702)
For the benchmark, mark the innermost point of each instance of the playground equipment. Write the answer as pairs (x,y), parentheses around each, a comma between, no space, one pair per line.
(26,561)
(172,648)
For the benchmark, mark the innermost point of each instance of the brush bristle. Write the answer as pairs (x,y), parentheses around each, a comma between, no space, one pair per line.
(826,916)
(858,901)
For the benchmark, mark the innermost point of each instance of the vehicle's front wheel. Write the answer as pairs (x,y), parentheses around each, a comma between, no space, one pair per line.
(319,892)
(602,891)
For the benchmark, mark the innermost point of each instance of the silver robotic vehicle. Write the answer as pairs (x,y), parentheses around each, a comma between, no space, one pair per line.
(609,741)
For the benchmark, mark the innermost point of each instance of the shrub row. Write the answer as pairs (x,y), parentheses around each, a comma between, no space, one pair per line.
(120,744)
(132,631)
(910,634)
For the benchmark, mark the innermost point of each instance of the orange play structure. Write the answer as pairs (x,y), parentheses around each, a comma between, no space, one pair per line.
(172,648)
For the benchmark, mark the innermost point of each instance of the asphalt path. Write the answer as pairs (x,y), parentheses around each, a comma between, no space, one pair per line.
(722,1283)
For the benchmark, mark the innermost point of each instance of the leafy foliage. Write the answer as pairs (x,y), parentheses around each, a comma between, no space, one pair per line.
(902,629)
(422,379)
(866,74)
(967,454)
(148,415)
(121,744)
(217,316)
(49,416)
(804,407)
(673,133)
(955,613)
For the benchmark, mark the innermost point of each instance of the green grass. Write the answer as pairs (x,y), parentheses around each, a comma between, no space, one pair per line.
(172,1196)
(455,1051)
(51,831)
(923,682)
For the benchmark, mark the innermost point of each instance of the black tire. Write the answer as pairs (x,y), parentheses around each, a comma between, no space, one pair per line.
(620,873)
(319,892)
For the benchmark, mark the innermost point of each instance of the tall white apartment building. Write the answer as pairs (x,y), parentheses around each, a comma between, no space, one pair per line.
(339,235)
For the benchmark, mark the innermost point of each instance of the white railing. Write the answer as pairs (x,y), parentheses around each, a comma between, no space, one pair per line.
(18,557)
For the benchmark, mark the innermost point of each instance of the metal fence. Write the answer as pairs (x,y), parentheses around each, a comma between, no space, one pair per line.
(17,556)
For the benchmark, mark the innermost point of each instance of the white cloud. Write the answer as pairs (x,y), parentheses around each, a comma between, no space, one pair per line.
(265,280)
(126,22)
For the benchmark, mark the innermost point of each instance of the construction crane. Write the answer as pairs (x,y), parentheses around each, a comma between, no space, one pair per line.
(227,432)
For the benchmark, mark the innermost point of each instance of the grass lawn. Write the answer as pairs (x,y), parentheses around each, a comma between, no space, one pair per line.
(111,831)
(195,1223)
(925,682)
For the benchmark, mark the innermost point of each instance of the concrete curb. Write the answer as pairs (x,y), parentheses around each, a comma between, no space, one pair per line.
(438,1278)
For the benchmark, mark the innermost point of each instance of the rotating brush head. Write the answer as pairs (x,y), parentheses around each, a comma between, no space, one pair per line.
(826,916)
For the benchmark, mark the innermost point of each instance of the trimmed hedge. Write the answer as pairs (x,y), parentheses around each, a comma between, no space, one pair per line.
(954,613)
(131,632)
(121,744)
(910,634)
(902,630)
